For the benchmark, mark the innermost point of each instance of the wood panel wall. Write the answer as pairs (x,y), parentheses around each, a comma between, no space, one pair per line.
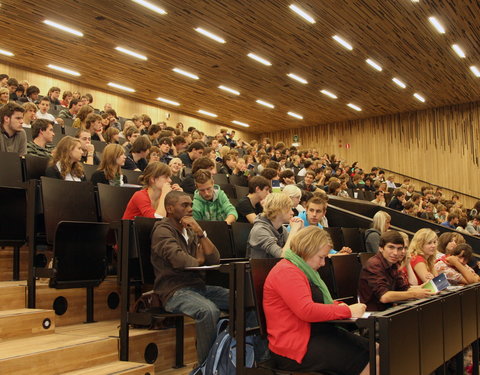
(124,106)
(439,145)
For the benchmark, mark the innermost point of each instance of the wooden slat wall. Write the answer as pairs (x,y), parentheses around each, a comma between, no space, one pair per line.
(440,145)
(123,106)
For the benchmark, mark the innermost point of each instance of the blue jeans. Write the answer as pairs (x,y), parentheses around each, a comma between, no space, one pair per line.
(204,306)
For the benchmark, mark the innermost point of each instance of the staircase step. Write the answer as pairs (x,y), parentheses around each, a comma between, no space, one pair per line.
(12,295)
(55,354)
(21,323)
(116,368)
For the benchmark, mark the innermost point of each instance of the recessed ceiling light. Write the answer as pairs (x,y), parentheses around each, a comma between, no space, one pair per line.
(302,13)
(64,70)
(419,97)
(210,35)
(374,64)
(150,6)
(328,93)
(183,72)
(259,59)
(131,53)
(232,91)
(266,104)
(399,83)
(240,123)
(168,101)
(117,86)
(355,107)
(458,50)
(296,115)
(475,70)
(437,25)
(207,113)
(343,42)
(6,53)
(62,27)
(297,78)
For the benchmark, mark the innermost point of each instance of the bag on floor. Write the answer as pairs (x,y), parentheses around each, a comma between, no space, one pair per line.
(222,358)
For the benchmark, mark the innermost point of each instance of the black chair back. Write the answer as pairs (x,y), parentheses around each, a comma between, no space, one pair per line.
(99,145)
(143,227)
(240,233)
(259,269)
(35,167)
(353,238)
(68,122)
(132,176)
(220,234)
(241,191)
(11,174)
(238,180)
(228,190)
(79,254)
(13,215)
(220,178)
(66,201)
(346,270)
(89,170)
(326,273)
(364,257)
(113,201)
(337,237)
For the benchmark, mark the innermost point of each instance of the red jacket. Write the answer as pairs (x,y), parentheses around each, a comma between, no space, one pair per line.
(289,310)
(139,205)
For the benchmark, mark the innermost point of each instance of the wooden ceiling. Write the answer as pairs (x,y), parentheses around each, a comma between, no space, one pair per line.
(394,33)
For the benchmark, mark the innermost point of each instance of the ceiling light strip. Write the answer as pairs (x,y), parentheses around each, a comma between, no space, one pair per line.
(297,78)
(239,123)
(120,87)
(64,70)
(355,107)
(419,97)
(185,73)
(328,93)
(437,25)
(458,50)
(264,103)
(342,42)
(210,35)
(168,101)
(131,53)
(228,89)
(150,6)
(6,53)
(259,59)
(207,113)
(63,28)
(374,65)
(399,83)
(296,115)
(302,13)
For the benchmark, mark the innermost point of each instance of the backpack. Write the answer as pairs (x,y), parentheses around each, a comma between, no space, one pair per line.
(222,358)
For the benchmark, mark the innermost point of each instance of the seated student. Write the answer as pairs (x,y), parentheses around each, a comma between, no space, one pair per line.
(194,151)
(42,135)
(210,203)
(380,224)
(43,108)
(451,222)
(455,266)
(153,133)
(297,303)
(66,162)
(178,241)
(295,195)
(268,238)
(307,184)
(149,202)
(165,144)
(287,178)
(176,166)
(83,112)
(228,164)
(473,226)
(131,134)
(88,150)
(112,135)
(136,159)
(250,206)
(381,284)
(12,137)
(153,155)
(398,200)
(29,115)
(270,174)
(422,251)
(203,162)
(428,214)
(93,124)
(110,169)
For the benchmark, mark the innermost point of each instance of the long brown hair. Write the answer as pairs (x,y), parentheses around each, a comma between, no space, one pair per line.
(61,154)
(109,165)
(154,170)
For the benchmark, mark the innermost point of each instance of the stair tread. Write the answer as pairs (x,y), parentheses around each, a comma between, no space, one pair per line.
(24,311)
(117,367)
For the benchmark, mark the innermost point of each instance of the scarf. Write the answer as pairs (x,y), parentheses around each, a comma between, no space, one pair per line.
(311,274)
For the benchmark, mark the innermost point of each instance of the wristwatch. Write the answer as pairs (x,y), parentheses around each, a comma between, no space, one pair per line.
(204,235)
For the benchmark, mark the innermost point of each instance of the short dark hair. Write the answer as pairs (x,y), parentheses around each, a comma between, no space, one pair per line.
(450,217)
(464,248)
(165,141)
(38,126)
(391,236)
(196,146)
(73,102)
(202,176)
(273,164)
(45,99)
(111,111)
(398,193)
(310,173)
(179,140)
(32,90)
(8,110)
(257,181)
(203,162)
(3,76)
(287,173)
(154,129)
(173,196)
(269,173)
(12,82)
(141,144)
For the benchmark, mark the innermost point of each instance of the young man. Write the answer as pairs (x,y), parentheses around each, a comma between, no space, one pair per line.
(451,222)
(398,200)
(43,108)
(379,198)
(178,242)
(72,110)
(53,95)
(165,144)
(42,134)
(13,137)
(188,183)
(250,206)
(194,151)
(307,184)
(381,283)
(88,149)
(179,145)
(136,159)
(29,116)
(210,203)
(31,95)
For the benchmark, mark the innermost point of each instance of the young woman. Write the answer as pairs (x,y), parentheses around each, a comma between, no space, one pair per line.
(447,243)
(110,168)
(455,266)
(65,164)
(297,304)
(80,120)
(176,167)
(380,224)
(422,251)
(4,96)
(150,201)
(295,195)
(112,135)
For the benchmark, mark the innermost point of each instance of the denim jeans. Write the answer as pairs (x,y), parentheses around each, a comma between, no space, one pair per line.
(203,305)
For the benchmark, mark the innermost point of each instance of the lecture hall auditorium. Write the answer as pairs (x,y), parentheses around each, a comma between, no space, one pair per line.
(330,137)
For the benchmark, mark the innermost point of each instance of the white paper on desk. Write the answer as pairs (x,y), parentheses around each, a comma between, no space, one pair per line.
(212,267)
(365,315)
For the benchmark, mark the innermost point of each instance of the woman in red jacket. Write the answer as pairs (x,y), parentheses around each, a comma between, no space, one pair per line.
(297,304)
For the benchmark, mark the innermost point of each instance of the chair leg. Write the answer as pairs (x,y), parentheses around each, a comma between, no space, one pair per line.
(16,263)
(179,341)
(475,357)
(90,305)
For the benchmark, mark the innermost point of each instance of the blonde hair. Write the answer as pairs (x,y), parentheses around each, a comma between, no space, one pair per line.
(419,240)
(379,221)
(61,154)
(309,240)
(406,241)
(292,191)
(154,170)
(109,164)
(275,204)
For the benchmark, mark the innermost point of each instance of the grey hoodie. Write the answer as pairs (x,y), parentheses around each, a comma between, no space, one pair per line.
(264,240)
